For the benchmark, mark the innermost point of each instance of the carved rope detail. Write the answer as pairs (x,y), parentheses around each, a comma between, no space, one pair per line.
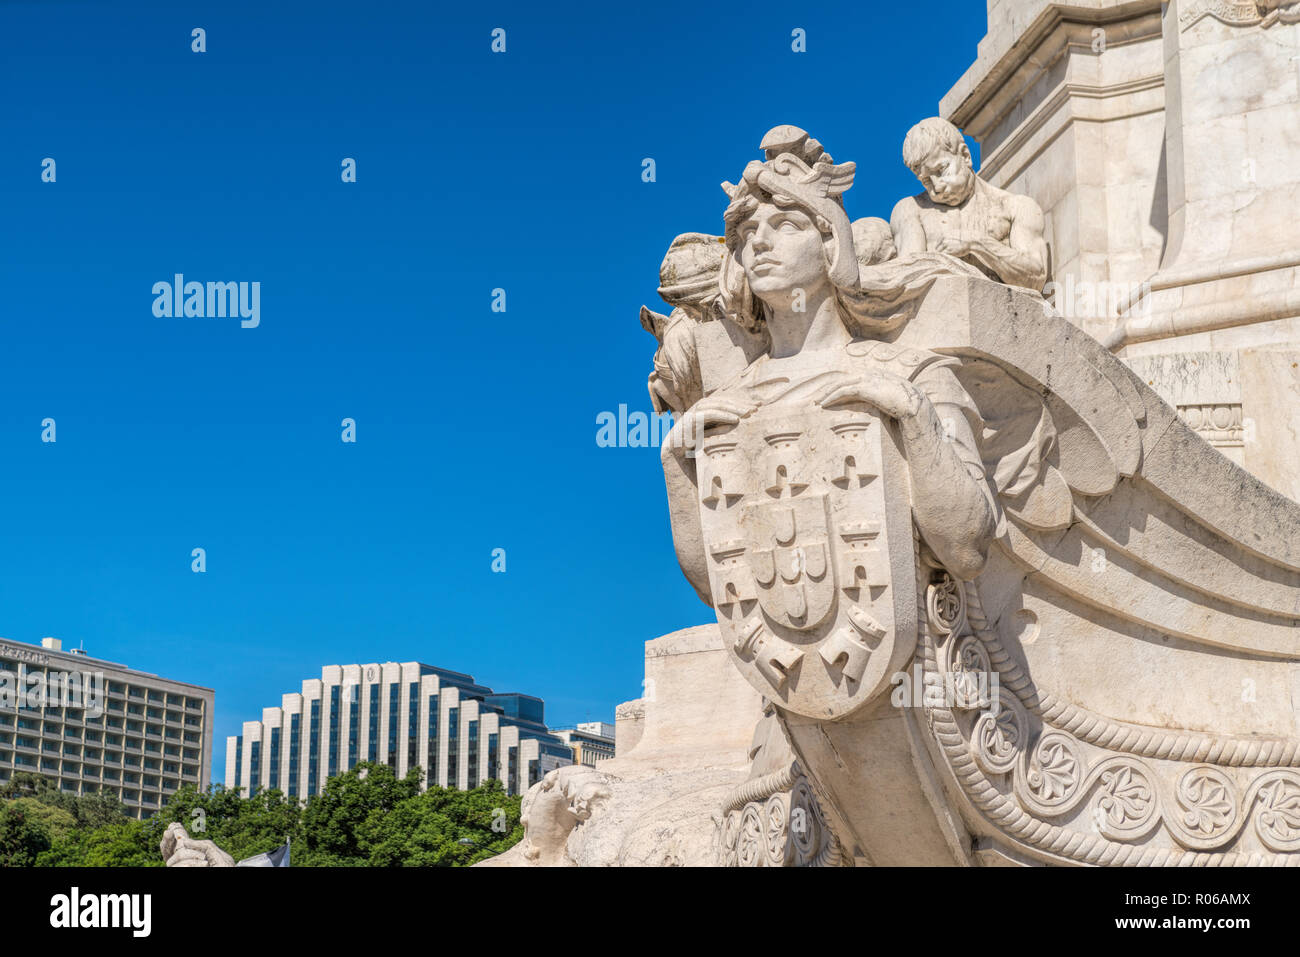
(776,821)
(1051,778)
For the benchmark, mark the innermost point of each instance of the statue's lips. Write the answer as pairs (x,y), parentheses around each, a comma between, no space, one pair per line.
(765,265)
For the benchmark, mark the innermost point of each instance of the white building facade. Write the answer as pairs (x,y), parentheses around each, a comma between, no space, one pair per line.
(136,736)
(458,732)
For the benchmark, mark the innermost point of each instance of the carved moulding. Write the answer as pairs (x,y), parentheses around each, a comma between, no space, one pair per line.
(1240,13)
(776,821)
(1054,778)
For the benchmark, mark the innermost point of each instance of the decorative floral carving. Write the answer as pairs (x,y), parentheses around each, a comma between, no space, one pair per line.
(780,849)
(1127,800)
(972,676)
(945,603)
(1277,821)
(750,844)
(805,824)
(1054,770)
(776,821)
(1210,806)
(728,839)
(998,740)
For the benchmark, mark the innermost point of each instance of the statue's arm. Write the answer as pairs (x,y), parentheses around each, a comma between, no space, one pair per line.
(905,224)
(684,513)
(951,501)
(1022,260)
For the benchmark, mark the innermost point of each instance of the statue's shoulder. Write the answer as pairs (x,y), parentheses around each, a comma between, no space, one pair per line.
(910,206)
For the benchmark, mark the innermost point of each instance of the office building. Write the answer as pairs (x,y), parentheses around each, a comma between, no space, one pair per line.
(458,732)
(95,726)
(591,741)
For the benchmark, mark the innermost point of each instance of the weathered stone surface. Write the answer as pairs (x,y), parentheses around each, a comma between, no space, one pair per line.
(1161,140)
(656,803)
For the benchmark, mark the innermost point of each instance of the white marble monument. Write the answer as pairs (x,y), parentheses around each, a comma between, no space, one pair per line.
(1009,561)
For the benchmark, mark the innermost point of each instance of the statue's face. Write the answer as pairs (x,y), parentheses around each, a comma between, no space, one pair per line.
(782,250)
(947,176)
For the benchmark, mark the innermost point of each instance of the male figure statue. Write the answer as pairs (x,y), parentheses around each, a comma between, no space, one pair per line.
(999,233)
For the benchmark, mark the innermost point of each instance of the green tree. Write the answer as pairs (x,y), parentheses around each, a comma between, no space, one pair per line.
(58,822)
(22,838)
(242,827)
(89,810)
(333,820)
(126,843)
(367,817)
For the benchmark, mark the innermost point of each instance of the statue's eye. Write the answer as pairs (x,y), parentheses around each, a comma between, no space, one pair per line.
(789,226)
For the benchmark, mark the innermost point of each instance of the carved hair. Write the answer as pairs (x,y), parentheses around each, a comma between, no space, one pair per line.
(934,133)
(583,787)
(735,299)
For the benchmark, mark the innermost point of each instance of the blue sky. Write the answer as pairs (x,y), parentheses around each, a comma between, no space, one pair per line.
(475,429)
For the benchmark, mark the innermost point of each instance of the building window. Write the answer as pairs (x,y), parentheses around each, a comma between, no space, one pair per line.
(275,757)
(413,725)
(354,723)
(432,766)
(254,767)
(295,748)
(239,757)
(493,769)
(313,754)
(394,690)
(453,746)
(334,731)
(472,758)
(372,752)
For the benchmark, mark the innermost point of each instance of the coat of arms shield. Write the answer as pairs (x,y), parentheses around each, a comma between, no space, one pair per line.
(806,515)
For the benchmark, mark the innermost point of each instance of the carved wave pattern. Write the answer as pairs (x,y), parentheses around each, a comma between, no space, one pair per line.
(1096,797)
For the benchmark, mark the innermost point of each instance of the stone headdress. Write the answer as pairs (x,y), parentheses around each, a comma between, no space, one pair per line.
(797,172)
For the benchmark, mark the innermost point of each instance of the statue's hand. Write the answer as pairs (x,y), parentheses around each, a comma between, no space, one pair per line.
(894,396)
(711,410)
(955,246)
(181,850)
